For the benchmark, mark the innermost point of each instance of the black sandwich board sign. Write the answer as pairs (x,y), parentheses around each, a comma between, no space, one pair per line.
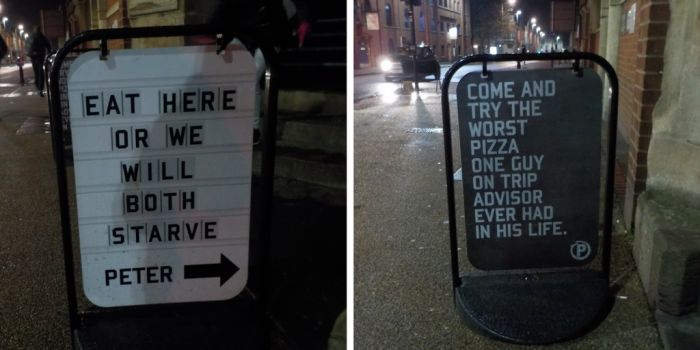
(163,150)
(531,155)
(63,92)
(530,143)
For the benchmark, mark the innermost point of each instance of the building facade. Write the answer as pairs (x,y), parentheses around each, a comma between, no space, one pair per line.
(84,15)
(389,28)
(631,35)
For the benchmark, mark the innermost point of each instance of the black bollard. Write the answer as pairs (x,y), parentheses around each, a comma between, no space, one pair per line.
(21,76)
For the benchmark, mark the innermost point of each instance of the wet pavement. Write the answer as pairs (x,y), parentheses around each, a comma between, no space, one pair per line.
(403,296)
(308,251)
(374,85)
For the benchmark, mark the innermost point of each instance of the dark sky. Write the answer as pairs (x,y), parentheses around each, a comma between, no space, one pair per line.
(26,12)
(540,9)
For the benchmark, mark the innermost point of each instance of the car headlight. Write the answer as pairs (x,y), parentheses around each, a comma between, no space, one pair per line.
(386,65)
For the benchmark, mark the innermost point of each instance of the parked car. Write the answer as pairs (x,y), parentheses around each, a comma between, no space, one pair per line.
(400,66)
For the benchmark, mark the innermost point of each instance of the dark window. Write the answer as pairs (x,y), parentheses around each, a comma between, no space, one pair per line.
(432,25)
(387,8)
(367,7)
(442,27)
(357,16)
(421,21)
(405,18)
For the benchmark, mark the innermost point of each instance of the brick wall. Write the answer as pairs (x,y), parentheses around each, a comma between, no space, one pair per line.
(118,19)
(640,88)
(627,74)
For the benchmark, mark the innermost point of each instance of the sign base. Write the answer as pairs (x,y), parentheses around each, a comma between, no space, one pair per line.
(203,325)
(533,308)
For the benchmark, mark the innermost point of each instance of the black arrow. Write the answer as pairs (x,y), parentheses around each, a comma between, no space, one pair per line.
(224,270)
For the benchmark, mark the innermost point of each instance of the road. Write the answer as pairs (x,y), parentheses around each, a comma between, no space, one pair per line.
(403,297)
(374,85)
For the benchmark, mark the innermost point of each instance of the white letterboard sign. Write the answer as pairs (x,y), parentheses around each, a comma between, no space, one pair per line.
(162,141)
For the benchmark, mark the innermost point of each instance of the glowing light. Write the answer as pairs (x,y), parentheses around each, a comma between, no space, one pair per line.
(386,65)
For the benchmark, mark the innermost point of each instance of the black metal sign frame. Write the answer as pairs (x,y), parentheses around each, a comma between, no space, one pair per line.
(481,313)
(268,148)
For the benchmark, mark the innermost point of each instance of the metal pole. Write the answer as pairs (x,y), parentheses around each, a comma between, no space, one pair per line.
(415,52)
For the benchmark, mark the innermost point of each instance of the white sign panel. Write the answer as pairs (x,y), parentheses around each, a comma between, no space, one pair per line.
(162,142)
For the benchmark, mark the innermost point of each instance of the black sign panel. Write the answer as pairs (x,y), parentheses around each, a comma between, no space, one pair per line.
(530,144)
(63,97)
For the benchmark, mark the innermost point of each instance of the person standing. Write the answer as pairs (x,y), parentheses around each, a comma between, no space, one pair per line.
(37,51)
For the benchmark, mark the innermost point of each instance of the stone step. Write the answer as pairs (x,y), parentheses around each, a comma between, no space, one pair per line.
(313,76)
(327,133)
(318,55)
(330,25)
(311,102)
(311,166)
(321,39)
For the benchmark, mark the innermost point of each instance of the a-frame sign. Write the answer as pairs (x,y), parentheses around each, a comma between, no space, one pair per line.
(162,144)
(532,161)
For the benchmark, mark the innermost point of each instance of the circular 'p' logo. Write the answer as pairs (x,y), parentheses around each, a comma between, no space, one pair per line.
(580,250)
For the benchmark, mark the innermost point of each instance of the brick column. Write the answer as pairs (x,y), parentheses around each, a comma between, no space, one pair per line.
(652,17)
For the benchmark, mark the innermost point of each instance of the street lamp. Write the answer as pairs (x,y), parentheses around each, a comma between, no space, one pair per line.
(21,27)
(511,2)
